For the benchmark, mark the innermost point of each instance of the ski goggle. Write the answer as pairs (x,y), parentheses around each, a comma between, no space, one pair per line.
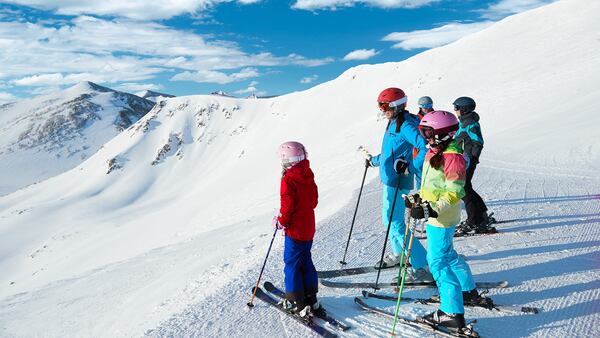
(426,105)
(386,106)
(427,132)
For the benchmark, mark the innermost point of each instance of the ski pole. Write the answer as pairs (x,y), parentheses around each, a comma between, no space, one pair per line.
(412,236)
(250,304)
(343,261)
(386,235)
(404,242)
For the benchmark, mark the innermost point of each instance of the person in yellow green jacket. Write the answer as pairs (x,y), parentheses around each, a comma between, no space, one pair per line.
(442,187)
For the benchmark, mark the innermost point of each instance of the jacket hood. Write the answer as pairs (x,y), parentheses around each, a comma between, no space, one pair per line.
(468,118)
(301,170)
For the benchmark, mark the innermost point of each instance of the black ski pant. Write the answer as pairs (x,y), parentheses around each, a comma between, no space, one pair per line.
(474,204)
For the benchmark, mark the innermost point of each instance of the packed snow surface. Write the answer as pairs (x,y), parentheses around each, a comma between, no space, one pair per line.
(163,231)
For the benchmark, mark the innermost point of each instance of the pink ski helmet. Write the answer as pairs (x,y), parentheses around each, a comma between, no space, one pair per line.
(290,153)
(439,125)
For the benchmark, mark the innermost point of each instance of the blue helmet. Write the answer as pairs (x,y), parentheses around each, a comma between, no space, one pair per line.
(425,102)
(464,104)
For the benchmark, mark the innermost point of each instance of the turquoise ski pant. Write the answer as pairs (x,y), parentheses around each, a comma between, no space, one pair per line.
(451,273)
(418,255)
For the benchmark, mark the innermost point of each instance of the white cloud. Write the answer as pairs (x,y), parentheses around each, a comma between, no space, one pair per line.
(434,37)
(334,4)
(507,7)
(119,50)
(7,97)
(361,54)
(253,83)
(247,90)
(211,76)
(40,80)
(58,79)
(309,79)
(133,9)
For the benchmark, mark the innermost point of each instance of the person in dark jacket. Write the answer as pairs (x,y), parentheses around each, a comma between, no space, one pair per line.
(470,137)
(299,198)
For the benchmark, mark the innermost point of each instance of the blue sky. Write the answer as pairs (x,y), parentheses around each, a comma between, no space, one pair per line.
(267,47)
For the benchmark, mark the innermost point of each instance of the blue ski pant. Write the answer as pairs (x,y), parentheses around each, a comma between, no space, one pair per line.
(451,273)
(418,255)
(299,271)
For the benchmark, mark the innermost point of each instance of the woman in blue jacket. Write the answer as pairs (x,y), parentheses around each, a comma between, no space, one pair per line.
(397,168)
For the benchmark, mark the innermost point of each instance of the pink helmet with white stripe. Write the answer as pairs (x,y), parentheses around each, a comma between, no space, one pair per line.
(439,125)
(290,153)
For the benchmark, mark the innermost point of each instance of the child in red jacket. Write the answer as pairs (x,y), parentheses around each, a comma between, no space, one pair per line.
(299,198)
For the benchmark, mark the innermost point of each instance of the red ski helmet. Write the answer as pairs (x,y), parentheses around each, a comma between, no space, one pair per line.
(440,125)
(391,98)
(290,153)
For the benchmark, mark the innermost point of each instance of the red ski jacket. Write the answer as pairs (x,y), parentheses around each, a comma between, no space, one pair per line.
(299,198)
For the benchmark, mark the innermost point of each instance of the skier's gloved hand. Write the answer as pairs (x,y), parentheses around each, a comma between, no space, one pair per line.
(401,166)
(276,223)
(410,199)
(423,210)
(367,156)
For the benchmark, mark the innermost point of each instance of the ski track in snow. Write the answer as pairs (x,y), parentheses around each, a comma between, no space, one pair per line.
(548,250)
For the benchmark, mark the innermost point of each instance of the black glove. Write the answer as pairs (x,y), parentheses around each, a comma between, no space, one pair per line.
(368,162)
(415,197)
(400,166)
(418,211)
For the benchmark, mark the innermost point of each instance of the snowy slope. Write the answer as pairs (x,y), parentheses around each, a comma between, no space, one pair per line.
(168,222)
(61,130)
(154,96)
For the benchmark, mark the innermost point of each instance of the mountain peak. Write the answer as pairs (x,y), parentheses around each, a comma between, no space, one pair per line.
(147,94)
(87,86)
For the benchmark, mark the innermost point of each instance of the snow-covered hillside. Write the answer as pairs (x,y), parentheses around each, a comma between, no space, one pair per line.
(154,96)
(61,130)
(167,224)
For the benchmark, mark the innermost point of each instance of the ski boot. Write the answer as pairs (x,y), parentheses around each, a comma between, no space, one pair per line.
(388,261)
(295,307)
(453,322)
(474,298)
(485,228)
(489,218)
(415,276)
(464,229)
(315,305)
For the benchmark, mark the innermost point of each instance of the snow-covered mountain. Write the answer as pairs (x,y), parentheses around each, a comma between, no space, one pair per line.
(221,93)
(154,96)
(167,224)
(61,130)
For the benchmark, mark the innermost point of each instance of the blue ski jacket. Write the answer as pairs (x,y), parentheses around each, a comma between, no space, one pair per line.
(397,145)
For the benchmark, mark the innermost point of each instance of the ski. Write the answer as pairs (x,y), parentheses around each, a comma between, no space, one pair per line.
(434,300)
(350,271)
(420,323)
(318,329)
(270,287)
(370,285)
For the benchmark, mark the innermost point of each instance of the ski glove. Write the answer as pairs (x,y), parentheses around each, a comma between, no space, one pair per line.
(410,199)
(423,210)
(276,223)
(368,158)
(401,166)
